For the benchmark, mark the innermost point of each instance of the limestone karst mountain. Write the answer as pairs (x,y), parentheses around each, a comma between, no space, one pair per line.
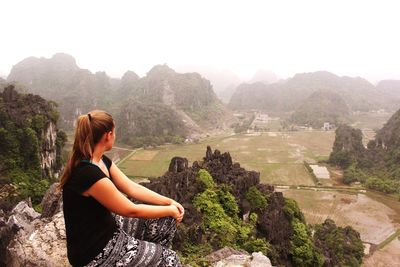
(60,79)
(223,81)
(321,107)
(188,97)
(390,89)
(377,164)
(358,93)
(30,146)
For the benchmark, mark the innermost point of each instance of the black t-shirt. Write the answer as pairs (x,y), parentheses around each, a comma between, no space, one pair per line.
(89,225)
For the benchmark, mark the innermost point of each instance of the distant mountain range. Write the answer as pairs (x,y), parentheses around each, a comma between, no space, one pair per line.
(224,82)
(290,94)
(187,101)
(189,98)
(319,107)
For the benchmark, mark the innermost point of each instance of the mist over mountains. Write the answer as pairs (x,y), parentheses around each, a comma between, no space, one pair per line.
(224,81)
(188,100)
(287,95)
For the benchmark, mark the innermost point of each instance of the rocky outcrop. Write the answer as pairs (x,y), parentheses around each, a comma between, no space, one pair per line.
(19,218)
(41,244)
(181,183)
(51,202)
(178,164)
(229,257)
(29,238)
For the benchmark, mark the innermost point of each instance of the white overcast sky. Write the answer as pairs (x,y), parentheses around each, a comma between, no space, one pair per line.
(356,38)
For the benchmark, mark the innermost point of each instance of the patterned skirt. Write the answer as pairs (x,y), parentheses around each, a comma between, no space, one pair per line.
(140,242)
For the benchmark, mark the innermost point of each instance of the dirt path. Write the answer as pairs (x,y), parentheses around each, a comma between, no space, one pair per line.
(387,256)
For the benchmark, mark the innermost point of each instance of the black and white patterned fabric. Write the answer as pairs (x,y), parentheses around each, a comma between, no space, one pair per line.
(140,242)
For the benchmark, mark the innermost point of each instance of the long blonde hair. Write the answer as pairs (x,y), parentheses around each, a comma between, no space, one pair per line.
(89,130)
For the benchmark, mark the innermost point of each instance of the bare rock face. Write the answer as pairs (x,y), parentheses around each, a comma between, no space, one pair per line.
(29,238)
(229,257)
(42,244)
(22,215)
(178,164)
(259,260)
(48,151)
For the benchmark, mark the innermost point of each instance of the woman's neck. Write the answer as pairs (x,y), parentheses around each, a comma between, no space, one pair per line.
(97,153)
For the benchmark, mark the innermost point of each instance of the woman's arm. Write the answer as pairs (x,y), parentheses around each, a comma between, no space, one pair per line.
(105,192)
(136,191)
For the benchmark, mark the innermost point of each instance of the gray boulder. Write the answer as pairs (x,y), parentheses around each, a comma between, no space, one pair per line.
(41,244)
(259,260)
(35,239)
(229,257)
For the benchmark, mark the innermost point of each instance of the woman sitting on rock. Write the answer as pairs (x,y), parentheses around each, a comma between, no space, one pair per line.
(103,227)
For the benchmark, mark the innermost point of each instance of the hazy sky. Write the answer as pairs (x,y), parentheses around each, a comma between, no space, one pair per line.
(356,38)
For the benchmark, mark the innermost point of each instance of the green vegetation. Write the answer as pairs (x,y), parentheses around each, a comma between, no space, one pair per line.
(23,119)
(343,246)
(377,165)
(303,251)
(206,179)
(292,210)
(220,224)
(149,124)
(256,199)
(328,246)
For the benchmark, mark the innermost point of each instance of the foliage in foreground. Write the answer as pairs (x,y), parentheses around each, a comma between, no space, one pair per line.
(220,224)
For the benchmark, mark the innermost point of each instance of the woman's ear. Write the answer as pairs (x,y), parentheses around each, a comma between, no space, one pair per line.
(108,135)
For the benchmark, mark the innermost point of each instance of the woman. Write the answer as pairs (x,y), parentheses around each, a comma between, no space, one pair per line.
(103,227)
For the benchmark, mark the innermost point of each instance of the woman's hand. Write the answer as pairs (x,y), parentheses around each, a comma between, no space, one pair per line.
(179,206)
(176,214)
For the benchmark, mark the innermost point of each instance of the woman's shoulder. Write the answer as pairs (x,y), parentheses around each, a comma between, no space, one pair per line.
(83,176)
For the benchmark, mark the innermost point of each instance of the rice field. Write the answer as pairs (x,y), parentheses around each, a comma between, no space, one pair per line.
(278,156)
(371,218)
